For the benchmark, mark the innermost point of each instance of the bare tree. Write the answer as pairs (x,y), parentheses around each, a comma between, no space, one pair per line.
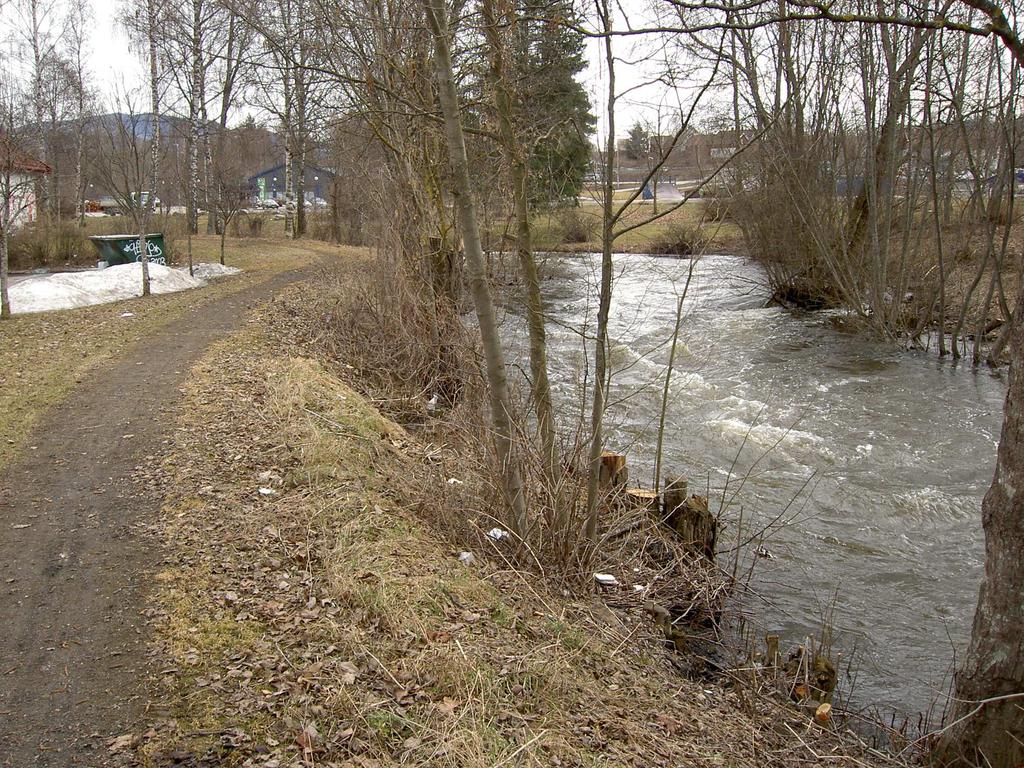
(122,164)
(498,19)
(502,416)
(17,181)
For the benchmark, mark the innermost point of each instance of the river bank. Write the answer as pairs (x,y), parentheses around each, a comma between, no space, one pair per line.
(313,607)
(863,464)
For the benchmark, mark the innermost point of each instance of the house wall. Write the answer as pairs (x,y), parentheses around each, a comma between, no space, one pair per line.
(23,200)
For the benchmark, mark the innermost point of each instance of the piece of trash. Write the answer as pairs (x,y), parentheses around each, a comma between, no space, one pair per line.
(497,534)
(270,477)
(823,714)
(267,492)
(763,551)
(432,403)
(467,558)
(639,587)
(19,526)
(606,579)
(127,314)
(454,481)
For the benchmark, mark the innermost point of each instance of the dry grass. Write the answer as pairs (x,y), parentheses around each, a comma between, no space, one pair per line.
(719,236)
(45,355)
(328,623)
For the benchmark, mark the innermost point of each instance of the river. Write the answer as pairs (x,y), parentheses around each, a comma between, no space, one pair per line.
(876,458)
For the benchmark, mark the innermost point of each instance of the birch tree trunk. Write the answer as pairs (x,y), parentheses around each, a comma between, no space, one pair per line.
(289,151)
(42,189)
(5,226)
(195,115)
(497,377)
(154,96)
(143,250)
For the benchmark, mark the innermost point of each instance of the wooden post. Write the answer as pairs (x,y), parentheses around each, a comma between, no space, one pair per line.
(690,518)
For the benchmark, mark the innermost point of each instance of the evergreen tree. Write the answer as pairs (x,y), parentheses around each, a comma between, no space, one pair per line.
(555,107)
(639,142)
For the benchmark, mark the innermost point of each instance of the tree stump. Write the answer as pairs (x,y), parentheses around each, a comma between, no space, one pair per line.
(643,498)
(613,472)
(690,518)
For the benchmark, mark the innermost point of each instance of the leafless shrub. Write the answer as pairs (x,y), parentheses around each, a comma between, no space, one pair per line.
(408,352)
(575,226)
(680,239)
(248,225)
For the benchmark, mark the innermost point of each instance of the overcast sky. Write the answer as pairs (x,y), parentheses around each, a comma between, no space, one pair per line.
(115,67)
(111,60)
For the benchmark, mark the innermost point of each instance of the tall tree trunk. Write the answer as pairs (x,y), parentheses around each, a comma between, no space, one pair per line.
(154,95)
(301,141)
(515,156)
(42,190)
(989,729)
(80,167)
(195,116)
(5,225)
(605,297)
(289,197)
(144,256)
(213,191)
(288,129)
(497,376)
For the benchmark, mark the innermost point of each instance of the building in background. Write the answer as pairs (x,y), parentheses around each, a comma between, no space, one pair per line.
(269,185)
(21,174)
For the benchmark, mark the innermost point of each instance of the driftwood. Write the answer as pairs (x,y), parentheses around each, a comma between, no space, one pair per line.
(690,518)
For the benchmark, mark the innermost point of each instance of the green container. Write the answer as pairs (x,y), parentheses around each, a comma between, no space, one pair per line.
(124,249)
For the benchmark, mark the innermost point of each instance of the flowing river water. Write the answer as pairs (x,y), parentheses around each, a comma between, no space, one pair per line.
(875,458)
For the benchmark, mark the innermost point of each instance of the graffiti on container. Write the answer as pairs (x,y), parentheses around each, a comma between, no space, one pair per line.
(153,251)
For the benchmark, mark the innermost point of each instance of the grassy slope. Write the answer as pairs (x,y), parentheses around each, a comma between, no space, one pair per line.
(44,355)
(328,624)
(723,236)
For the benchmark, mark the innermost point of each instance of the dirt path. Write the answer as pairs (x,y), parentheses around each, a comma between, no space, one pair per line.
(74,558)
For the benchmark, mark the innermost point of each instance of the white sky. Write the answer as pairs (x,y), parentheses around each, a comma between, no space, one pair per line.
(112,62)
(115,67)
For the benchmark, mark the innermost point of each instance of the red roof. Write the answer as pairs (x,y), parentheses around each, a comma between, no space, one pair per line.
(14,159)
(27,164)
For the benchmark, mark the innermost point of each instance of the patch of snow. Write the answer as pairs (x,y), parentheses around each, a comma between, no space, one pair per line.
(208,271)
(67,290)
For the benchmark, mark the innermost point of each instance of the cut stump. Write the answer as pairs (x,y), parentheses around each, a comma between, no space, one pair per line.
(690,518)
